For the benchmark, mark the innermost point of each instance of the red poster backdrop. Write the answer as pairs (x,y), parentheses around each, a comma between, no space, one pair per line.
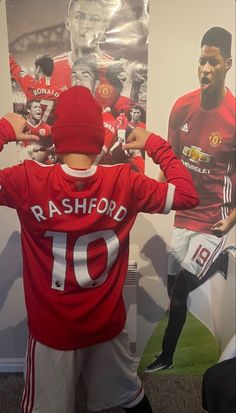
(101,44)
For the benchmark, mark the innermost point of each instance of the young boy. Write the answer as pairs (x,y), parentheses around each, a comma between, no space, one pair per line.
(75,222)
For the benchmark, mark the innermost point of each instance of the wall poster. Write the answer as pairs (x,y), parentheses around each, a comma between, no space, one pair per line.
(101,44)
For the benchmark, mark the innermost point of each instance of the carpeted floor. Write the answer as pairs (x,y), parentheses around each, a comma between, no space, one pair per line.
(168,394)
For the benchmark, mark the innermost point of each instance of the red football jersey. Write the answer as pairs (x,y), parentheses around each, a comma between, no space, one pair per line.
(62,69)
(121,121)
(45,90)
(42,129)
(123,103)
(139,124)
(205,142)
(75,228)
(109,124)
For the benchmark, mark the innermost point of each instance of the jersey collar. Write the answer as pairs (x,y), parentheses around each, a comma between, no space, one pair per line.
(79,173)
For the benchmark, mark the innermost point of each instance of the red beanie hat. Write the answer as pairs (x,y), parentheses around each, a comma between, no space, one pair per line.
(78,127)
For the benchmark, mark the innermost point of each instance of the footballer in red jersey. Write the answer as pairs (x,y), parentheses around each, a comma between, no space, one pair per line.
(122,121)
(205,142)
(86,22)
(34,121)
(41,150)
(41,87)
(75,222)
(202,134)
(121,125)
(117,155)
(135,114)
(109,124)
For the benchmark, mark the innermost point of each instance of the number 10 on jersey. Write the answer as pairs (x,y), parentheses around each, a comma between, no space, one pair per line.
(80,257)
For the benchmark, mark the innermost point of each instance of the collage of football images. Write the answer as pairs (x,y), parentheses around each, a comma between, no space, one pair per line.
(105,51)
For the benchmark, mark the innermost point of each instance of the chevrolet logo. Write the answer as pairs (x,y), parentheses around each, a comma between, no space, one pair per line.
(196,155)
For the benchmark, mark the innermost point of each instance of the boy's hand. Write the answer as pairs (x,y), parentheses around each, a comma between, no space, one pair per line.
(137,139)
(19,125)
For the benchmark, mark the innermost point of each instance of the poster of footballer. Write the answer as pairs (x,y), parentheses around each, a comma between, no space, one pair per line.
(100,44)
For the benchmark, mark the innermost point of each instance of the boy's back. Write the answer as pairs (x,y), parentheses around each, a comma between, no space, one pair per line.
(75,228)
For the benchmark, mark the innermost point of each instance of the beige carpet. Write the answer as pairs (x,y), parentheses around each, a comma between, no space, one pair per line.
(168,394)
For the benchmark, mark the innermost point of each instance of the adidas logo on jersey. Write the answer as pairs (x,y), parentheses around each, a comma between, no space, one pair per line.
(184,128)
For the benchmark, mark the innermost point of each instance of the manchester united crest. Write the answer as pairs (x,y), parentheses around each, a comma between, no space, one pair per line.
(215,139)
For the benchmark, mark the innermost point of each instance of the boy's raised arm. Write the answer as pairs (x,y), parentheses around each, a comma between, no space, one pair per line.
(13,128)
(185,195)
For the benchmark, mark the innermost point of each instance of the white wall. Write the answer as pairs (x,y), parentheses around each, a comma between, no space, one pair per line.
(176,29)
(12,310)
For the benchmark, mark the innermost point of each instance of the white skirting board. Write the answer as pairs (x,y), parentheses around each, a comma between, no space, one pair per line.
(11,365)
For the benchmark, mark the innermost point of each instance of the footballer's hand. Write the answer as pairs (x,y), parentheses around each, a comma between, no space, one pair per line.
(219,229)
(222,227)
(136,139)
(19,125)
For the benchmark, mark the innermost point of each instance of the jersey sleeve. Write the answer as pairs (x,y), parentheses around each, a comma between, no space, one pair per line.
(176,193)
(7,133)
(13,188)
(11,179)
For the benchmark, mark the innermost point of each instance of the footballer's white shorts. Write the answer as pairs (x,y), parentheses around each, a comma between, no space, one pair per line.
(193,251)
(107,369)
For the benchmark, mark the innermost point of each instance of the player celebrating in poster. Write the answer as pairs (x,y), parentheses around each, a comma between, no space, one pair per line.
(34,120)
(202,133)
(75,223)
(38,151)
(41,87)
